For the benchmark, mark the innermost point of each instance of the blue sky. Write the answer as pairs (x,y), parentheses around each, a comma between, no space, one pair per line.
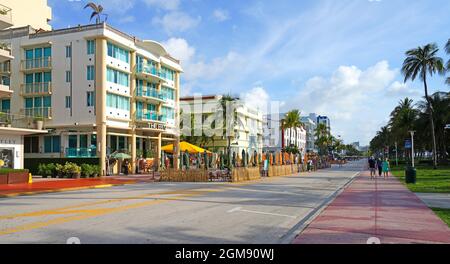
(339,58)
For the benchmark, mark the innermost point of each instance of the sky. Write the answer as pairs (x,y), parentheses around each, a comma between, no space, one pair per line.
(340,58)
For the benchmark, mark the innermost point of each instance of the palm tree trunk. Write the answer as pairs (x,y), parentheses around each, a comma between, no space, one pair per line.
(430,111)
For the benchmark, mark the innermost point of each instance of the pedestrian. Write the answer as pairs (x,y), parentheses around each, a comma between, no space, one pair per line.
(379,166)
(386,168)
(372,165)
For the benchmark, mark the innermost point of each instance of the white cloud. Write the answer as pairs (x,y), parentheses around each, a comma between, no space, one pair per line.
(351,97)
(398,88)
(164,4)
(256,98)
(116,6)
(127,19)
(213,69)
(176,21)
(179,48)
(221,15)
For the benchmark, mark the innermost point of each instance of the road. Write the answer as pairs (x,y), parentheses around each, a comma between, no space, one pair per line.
(272,210)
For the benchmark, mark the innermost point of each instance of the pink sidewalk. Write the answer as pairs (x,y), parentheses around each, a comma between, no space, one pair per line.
(383,209)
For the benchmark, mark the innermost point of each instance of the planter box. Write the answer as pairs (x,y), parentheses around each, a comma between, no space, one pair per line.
(3,178)
(17,177)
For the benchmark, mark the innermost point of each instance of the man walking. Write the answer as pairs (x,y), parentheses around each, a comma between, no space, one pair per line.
(372,165)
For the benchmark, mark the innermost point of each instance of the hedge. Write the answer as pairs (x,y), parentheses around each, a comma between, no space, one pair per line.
(6,171)
(32,163)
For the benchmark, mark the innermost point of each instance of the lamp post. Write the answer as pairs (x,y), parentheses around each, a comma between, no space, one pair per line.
(396,154)
(412,147)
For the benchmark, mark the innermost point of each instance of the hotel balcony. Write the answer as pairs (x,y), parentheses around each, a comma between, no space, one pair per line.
(148,116)
(44,112)
(5,68)
(5,90)
(5,53)
(39,64)
(29,89)
(150,95)
(8,120)
(5,17)
(149,72)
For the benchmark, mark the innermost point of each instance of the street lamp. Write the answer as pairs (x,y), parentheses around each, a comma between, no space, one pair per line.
(412,146)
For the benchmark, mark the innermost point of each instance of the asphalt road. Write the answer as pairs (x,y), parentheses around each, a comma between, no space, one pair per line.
(272,210)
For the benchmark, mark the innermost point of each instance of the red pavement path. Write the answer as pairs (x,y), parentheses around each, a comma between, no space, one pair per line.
(57,185)
(385,209)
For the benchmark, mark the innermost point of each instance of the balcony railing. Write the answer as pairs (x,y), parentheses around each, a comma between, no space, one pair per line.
(45,112)
(36,88)
(36,64)
(80,152)
(150,116)
(149,93)
(17,121)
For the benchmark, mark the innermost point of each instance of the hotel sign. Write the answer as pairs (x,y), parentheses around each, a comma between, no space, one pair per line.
(156,126)
(7,141)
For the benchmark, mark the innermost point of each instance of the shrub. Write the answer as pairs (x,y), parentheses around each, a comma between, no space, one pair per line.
(60,170)
(71,169)
(96,170)
(86,170)
(42,170)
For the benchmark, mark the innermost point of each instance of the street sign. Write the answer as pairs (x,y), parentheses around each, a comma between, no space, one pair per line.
(408,144)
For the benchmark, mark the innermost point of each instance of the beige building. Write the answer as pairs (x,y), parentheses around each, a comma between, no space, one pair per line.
(20,13)
(247,133)
(98,90)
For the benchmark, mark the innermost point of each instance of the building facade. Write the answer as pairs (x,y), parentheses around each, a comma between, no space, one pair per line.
(247,133)
(276,139)
(98,90)
(20,13)
(310,127)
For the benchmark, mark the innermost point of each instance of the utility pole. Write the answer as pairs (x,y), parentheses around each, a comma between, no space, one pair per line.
(412,147)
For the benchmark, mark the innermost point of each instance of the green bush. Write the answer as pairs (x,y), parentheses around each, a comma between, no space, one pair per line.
(6,171)
(60,170)
(96,170)
(86,170)
(71,169)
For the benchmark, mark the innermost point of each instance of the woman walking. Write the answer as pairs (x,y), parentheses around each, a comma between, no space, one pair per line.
(380,167)
(386,168)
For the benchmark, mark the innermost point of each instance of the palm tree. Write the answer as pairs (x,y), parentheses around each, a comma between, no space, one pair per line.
(323,138)
(97,11)
(447,49)
(290,120)
(229,120)
(418,63)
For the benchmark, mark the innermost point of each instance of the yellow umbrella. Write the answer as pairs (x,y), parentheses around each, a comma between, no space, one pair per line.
(185,146)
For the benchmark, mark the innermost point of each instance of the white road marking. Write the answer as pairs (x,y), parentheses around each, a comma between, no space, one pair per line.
(239,209)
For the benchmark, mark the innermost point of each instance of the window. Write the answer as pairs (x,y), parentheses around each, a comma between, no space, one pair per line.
(168,93)
(68,102)
(52,144)
(117,77)
(118,53)
(31,144)
(73,141)
(90,72)
(83,141)
(117,101)
(5,105)
(68,51)
(68,76)
(90,99)
(167,73)
(90,47)
(167,112)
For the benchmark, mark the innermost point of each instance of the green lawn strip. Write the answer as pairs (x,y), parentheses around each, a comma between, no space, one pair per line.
(428,179)
(444,214)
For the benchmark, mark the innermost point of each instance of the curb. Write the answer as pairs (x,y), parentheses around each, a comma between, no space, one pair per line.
(303,224)
(101,186)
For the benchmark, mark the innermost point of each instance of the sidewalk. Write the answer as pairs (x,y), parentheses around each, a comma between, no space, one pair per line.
(385,209)
(59,185)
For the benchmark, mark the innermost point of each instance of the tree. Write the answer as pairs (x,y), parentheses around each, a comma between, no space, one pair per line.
(97,11)
(292,119)
(230,120)
(420,62)
(402,119)
(447,49)
(323,138)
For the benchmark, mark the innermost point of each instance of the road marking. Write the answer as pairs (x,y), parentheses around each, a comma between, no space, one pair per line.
(239,209)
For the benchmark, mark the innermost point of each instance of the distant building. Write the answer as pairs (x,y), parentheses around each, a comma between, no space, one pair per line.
(324,120)
(310,127)
(275,139)
(247,133)
(21,13)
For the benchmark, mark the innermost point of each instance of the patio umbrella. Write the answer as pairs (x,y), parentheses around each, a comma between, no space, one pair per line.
(185,147)
(121,156)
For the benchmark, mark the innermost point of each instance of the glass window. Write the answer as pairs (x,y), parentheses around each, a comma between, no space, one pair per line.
(56,144)
(93,140)
(90,99)
(47,101)
(68,51)
(90,72)
(47,52)
(90,47)
(117,77)
(68,76)
(31,144)
(83,141)
(113,143)
(6,105)
(28,102)
(47,76)
(68,102)
(73,141)
(118,53)
(38,53)
(29,54)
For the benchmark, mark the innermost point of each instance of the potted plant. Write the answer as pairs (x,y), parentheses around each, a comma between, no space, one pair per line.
(43,170)
(39,122)
(60,170)
(72,170)
(86,170)
(95,171)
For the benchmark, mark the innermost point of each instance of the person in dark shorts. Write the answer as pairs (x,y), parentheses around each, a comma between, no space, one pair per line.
(372,165)
(380,167)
